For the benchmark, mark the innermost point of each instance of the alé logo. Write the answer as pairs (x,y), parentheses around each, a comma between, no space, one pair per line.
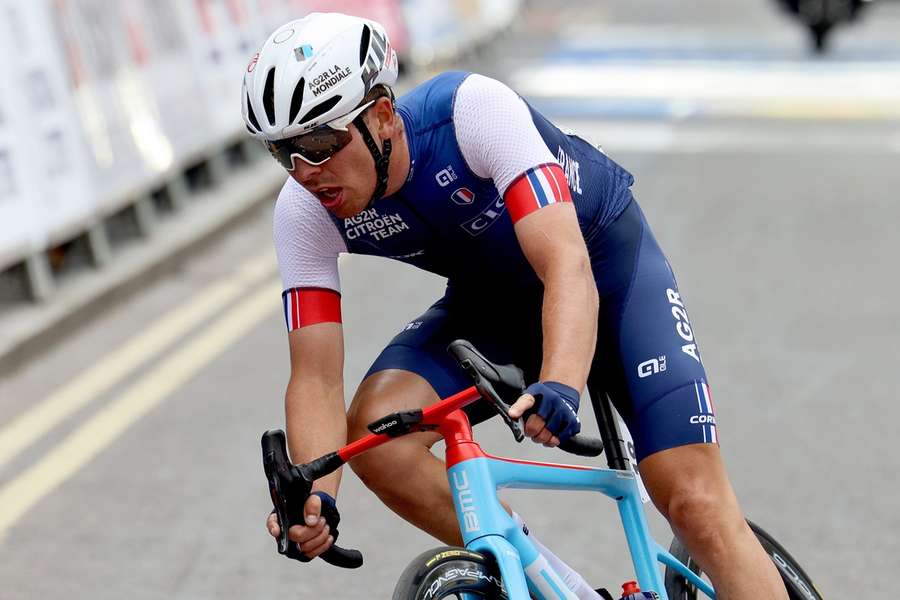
(466,501)
(652,366)
(446,176)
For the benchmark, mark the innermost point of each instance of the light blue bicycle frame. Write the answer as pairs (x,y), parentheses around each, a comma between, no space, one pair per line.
(487,529)
(475,478)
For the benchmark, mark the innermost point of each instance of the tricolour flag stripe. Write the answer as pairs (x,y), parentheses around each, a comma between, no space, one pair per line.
(705,408)
(554,184)
(700,408)
(550,190)
(707,397)
(708,404)
(536,188)
(308,306)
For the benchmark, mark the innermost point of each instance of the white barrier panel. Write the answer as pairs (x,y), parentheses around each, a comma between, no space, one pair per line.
(224,38)
(108,98)
(51,168)
(140,102)
(15,213)
(166,107)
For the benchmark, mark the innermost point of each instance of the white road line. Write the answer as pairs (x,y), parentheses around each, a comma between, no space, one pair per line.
(851,91)
(116,365)
(712,80)
(666,137)
(99,432)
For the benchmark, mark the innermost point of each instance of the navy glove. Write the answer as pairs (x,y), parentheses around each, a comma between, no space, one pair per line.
(557,403)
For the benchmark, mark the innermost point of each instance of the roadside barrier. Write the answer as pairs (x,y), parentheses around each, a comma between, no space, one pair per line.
(114,113)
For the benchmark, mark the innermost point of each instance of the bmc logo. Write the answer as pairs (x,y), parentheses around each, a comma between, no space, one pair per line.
(466,501)
(445,177)
(652,366)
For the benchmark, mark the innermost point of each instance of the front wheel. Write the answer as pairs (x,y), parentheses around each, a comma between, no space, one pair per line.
(797,582)
(450,572)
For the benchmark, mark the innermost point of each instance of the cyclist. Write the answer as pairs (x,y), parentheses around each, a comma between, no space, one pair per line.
(550,265)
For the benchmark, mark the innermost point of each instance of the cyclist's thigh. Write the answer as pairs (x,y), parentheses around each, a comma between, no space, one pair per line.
(421,346)
(647,359)
(385,392)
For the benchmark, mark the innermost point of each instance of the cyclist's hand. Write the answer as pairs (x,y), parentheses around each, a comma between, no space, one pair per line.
(313,538)
(556,418)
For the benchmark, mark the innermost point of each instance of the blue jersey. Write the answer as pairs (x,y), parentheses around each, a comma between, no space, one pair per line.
(448,220)
(480,159)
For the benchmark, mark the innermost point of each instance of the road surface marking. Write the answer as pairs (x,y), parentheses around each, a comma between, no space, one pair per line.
(28,427)
(104,428)
(664,137)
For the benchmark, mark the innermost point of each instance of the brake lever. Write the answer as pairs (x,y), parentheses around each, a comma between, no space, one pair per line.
(289,486)
(488,393)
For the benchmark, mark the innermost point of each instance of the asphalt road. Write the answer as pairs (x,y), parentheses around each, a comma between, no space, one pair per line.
(129,456)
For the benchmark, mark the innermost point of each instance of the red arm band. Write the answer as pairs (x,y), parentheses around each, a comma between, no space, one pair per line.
(308,306)
(536,188)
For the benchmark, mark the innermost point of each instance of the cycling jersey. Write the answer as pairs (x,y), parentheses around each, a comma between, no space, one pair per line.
(480,159)
(474,145)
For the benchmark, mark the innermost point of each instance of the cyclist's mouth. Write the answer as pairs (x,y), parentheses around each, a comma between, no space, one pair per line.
(330,197)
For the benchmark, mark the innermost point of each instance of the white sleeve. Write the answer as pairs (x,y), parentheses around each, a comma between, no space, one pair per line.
(307,241)
(495,131)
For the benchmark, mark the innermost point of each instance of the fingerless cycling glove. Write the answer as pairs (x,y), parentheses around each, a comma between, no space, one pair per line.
(557,404)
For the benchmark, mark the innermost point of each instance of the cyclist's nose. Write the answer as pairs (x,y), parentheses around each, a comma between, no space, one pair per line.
(304,172)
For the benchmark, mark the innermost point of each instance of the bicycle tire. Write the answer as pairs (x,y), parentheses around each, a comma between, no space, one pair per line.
(798,583)
(447,572)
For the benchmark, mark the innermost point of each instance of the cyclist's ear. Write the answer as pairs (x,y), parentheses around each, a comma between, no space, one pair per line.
(312,509)
(383,120)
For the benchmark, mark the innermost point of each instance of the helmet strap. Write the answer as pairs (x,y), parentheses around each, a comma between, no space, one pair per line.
(382,159)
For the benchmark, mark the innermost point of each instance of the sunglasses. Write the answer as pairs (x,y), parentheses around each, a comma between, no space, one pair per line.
(317,146)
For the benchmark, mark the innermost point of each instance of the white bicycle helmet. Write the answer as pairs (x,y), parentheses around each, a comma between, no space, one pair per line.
(314,70)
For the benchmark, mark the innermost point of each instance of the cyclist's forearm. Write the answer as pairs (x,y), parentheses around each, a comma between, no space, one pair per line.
(569,317)
(316,423)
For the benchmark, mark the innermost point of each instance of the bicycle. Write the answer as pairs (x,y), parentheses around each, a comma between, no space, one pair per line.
(498,561)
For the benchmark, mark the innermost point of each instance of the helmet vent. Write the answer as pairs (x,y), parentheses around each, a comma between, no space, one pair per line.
(252,116)
(320,109)
(364,44)
(297,100)
(269,97)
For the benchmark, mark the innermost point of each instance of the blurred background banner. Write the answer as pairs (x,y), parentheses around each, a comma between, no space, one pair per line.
(15,210)
(440,30)
(111,99)
(42,166)
(224,35)
(115,109)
